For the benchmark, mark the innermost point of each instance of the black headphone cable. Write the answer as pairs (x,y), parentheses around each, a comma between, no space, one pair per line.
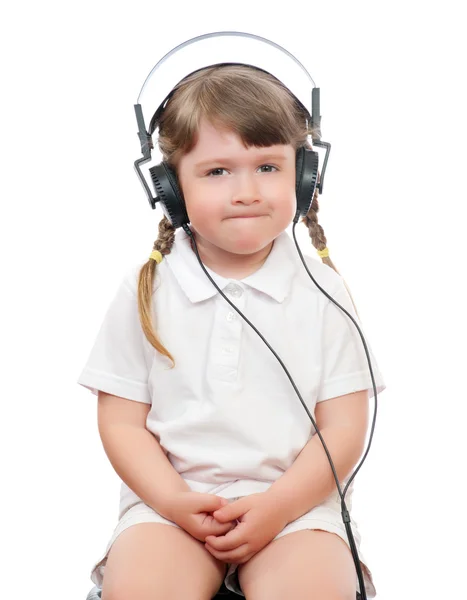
(345,513)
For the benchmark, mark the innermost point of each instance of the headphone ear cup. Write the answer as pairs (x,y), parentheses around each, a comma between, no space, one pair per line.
(167,190)
(306,169)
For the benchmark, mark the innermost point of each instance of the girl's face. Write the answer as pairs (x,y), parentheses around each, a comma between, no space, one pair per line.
(238,200)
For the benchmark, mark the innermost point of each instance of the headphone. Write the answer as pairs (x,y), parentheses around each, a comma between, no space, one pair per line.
(173,205)
(192,54)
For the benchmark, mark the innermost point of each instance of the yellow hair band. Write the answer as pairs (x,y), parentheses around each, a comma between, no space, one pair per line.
(323,253)
(156,255)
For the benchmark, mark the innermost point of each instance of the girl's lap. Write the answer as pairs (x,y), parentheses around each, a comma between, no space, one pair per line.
(323,518)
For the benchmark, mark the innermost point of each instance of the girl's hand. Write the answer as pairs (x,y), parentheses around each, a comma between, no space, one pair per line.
(192,511)
(260,519)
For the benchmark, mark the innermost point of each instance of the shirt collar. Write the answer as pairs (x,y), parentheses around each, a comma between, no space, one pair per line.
(273,278)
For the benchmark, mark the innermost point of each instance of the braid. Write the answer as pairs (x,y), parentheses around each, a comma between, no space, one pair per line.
(166,237)
(315,231)
(147,276)
(318,238)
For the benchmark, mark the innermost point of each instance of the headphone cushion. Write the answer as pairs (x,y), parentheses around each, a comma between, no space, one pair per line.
(172,177)
(307,163)
(167,190)
(298,168)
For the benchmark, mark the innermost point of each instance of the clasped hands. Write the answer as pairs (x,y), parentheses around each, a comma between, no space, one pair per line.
(259,518)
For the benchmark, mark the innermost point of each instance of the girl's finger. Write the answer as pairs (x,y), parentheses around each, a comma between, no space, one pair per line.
(222,528)
(231,556)
(231,540)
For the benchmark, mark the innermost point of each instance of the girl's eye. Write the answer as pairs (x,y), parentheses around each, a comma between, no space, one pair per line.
(213,173)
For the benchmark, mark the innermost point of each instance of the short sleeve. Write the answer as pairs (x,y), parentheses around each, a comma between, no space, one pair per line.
(119,362)
(345,364)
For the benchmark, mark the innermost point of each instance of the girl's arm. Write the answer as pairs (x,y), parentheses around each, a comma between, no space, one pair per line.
(135,453)
(343,423)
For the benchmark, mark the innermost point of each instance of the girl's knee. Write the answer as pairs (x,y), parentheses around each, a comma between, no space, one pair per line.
(154,560)
(306,563)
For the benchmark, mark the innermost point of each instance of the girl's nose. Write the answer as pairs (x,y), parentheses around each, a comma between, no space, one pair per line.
(246,190)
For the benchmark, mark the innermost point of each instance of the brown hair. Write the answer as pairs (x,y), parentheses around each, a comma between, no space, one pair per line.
(246,100)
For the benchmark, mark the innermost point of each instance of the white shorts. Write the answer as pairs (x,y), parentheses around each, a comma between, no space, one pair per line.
(326,516)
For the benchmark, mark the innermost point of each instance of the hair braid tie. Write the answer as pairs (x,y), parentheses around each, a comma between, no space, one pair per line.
(156,255)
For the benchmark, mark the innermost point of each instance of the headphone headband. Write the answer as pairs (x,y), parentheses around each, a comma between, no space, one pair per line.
(228,47)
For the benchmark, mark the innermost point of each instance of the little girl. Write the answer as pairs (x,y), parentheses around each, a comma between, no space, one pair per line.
(195,413)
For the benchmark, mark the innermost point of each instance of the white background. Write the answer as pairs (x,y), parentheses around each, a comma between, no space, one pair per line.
(74,218)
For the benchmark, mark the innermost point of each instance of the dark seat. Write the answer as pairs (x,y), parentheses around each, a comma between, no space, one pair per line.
(222,594)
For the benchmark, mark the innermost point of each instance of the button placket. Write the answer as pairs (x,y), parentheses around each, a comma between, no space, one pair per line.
(231,316)
(226,335)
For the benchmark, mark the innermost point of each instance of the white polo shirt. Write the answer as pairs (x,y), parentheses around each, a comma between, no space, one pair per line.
(227,415)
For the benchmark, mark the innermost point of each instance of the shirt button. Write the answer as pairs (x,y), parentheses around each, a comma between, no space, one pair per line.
(226,350)
(234,290)
(231,316)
